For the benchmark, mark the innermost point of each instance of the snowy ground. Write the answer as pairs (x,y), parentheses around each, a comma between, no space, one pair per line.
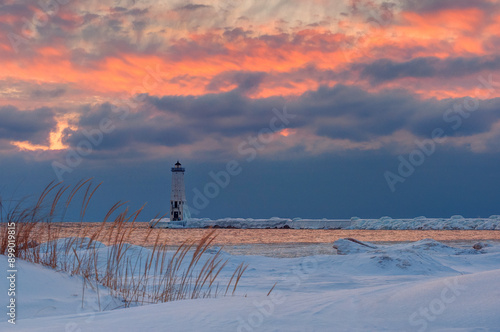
(455,223)
(420,286)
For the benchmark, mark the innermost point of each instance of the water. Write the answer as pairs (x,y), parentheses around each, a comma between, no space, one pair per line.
(271,242)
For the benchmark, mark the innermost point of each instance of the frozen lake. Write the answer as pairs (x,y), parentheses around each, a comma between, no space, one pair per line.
(279,242)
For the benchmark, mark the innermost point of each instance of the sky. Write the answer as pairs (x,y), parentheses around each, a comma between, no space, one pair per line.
(312,109)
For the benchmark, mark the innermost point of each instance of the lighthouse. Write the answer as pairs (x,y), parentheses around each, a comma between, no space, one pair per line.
(178,196)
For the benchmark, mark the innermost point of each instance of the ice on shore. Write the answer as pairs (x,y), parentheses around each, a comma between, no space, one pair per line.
(350,246)
(455,222)
(416,258)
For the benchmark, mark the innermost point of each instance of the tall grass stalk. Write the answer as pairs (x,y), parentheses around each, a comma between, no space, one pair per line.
(103,256)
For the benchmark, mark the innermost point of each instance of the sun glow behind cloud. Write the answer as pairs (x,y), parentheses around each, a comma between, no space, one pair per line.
(88,56)
(55,139)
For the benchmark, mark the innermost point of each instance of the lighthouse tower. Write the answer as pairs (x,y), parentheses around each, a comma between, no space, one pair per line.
(178,196)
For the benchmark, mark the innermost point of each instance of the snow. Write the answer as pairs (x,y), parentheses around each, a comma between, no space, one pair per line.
(455,222)
(419,286)
(43,292)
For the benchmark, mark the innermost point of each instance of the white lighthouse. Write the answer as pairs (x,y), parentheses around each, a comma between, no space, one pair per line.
(178,196)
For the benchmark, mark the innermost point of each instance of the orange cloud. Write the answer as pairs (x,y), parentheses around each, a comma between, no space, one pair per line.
(440,34)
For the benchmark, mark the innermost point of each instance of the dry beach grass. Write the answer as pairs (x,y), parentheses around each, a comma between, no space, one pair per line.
(135,274)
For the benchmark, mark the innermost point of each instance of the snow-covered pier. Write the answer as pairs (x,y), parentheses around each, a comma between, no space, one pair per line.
(244,223)
(387,223)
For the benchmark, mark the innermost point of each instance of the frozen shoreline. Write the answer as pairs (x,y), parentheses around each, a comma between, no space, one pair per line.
(369,287)
(384,223)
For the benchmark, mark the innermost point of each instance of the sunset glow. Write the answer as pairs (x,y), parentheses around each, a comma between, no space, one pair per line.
(139,81)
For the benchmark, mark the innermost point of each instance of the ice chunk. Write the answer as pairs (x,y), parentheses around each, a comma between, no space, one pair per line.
(350,246)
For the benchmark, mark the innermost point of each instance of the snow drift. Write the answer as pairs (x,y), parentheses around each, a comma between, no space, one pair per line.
(419,286)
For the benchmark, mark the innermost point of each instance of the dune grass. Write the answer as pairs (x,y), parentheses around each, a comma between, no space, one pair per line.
(137,275)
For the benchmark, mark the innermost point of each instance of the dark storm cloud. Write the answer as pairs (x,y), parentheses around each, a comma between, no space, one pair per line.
(17,9)
(139,25)
(47,93)
(192,7)
(143,128)
(228,114)
(234,34)
(118,9)
(138,12)
(91,116)
(424,6)
(175,120)
(33,126)
(31,90)
(449,115)
(340,112)
(130,138)
(358,116)
(387,70)
(350,113)
(89,17)
(246,81)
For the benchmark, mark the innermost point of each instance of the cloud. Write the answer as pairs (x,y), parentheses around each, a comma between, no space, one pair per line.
(32,92)
(47,93)
(351,113)
(26,125)
(236,33)
(424,67)
(425,6)
(245,81)
(228,114)
(492,44)
(133,131)
(222,75)
(192,7)
(328,114)
(18,9)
